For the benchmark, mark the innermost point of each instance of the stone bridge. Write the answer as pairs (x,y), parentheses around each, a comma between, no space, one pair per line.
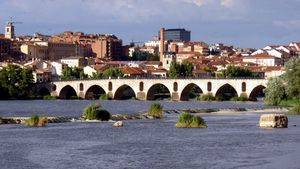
(149,89)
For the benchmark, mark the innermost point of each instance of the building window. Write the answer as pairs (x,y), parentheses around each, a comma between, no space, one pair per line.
(175,86)
(244,87)
(7,29)
(141,86)
(110,86)
(81,87)
(209,86)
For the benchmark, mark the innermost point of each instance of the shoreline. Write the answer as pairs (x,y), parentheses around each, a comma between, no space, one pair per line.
(144,116)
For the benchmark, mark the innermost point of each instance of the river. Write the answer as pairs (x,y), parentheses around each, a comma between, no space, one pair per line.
(230,141)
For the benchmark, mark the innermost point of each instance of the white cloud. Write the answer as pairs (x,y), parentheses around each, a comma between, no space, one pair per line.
(227,3)
(196,2)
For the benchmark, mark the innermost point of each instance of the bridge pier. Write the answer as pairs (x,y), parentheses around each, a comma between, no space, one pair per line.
(141,96)
(110,95)
(175,96)
(81,95)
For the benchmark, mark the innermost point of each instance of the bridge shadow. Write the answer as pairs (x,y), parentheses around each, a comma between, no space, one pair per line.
(124,92)
(226,92)
(94,92)
(158,92)
(191,91)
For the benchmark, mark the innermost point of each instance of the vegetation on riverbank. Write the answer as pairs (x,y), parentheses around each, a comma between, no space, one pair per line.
(285,90)
(104,97)
(156,111)
(96,112)
(206,97)
(186,120)
(36,121)
(49,97)
(241,98)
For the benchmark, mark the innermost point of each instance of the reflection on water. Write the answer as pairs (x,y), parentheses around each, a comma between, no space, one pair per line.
(75,107)
(228,142)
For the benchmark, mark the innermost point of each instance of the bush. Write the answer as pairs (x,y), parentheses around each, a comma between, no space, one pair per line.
(275,92)
(187,120)
(242,98)
(49,97)
(36,121)
(206,97)
(95,112)
(104,97)
(295,110)
(75,98)
(156,110)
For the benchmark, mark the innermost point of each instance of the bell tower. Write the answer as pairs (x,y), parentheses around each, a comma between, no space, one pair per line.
(10,31)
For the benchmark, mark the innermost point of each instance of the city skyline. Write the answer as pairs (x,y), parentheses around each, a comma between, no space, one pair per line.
(242,23)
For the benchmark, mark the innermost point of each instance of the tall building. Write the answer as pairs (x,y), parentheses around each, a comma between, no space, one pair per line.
(176,35)
(10,31)
(108,47)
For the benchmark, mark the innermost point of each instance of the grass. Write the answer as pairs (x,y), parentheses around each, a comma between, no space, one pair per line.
(49,97)
(104,97)
(36,121)
(96,112)
(186,120)
(156,110)
(295,110)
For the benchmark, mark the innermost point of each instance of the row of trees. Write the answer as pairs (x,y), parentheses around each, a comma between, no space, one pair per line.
(181,70)
(78,73)
(144,56)
(15,82)
(233,71)
(285,87)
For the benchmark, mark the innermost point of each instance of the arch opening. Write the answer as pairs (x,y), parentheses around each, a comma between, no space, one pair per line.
(94,92)
(257,92)
(191,91)
(226,92)
(67,93)
(124,92)
(158,92)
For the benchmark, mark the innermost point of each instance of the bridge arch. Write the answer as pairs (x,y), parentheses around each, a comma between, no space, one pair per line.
(226,92)
(94,92)
(124,92)
(190,91)
(258,91)
(67,92)
(158,91)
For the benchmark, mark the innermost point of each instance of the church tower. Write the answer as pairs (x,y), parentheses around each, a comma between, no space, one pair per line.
(10,31)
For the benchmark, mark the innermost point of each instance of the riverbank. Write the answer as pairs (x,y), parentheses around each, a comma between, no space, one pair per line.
(145,116)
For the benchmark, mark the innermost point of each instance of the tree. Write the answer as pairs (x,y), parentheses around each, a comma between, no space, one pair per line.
(113,72)
(275,92)
(97,75)
(233,71)
(16,82)
(181,70)
(292,77)
(73,73)
(144,56)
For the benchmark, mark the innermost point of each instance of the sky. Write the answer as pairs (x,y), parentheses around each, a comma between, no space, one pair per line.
(242,23)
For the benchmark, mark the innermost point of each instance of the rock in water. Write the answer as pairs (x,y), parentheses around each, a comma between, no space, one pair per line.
(118,124)
(273,121)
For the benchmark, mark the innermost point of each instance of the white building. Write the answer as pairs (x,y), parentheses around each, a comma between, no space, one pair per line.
(88,70)
(58,68)
(263,60)
(73,61)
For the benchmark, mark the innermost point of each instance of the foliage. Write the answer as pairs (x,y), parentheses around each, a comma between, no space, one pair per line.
(233,71)
(206,97)
(295,110)
(15,82)
(95,112)
(113,72)
(156,110)
(275,91)
(242,98)
(49,97)
(73,73)
(292,77)
(181,70)
(97,75)
(290,102)
(187,120)
(144,56)
(36,121)
(104,97)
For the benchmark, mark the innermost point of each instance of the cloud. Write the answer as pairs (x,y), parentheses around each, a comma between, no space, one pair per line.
(196,2)
(227,3)
(288,24)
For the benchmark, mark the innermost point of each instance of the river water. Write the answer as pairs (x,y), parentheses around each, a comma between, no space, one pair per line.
(75,107)
(230,141)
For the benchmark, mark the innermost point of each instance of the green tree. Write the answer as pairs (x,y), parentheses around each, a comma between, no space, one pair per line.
(113,72)
(275,92)
(97,75)
(233,71)
(181,70)
(73,73)
(16,82)
(144,56)
(292,77)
